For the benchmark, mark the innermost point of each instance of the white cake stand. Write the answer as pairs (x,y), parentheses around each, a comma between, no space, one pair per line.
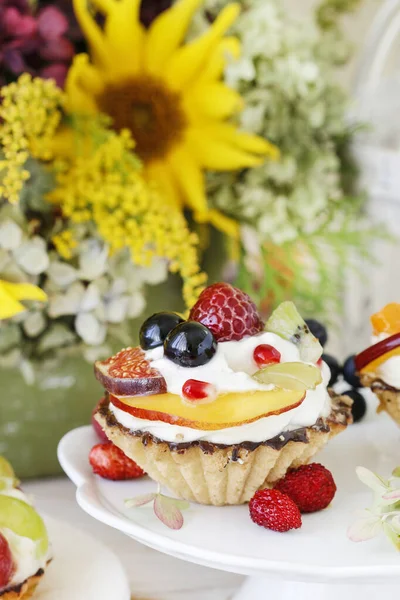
(316,561)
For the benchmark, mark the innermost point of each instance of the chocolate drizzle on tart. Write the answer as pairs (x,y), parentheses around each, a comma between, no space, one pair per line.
(17,589)
(341,414)
(380,385)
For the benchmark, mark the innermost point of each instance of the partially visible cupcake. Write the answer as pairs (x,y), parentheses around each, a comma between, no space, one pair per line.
(24,545)
(379,365)
(219,406)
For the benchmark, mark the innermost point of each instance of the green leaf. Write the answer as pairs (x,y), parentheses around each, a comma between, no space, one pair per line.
(167,510)
(372,480)
(140,500)
(396,472)
(364,528)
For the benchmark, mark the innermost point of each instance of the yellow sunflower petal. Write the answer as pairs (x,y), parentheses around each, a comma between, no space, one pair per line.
(83,83)
(188,61)
(218,155)
(24,291)
(167,32)
(227,50)
(8,306)
(225,132)
(213,100)
(125,37)
(161,173)
(190,180)
(92,32)
(10,293)
(223,223)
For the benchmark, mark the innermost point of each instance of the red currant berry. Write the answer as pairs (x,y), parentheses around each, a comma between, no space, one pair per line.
(264,354)
(320,362)
(197,391)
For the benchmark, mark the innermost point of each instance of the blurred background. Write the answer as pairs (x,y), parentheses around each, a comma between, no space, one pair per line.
(279,174)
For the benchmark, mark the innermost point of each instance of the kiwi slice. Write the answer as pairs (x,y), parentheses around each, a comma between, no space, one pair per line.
(286,322)
(7,476)
(294,376)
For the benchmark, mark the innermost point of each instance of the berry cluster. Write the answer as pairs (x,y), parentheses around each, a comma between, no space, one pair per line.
(222,313)
(347,371)
(308,489)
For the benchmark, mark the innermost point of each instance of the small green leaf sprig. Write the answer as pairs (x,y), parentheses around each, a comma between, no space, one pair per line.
(384,514)
(167,510)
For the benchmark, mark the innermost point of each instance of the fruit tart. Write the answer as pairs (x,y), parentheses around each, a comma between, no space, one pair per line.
(220,405)
(379,365)
(24,546)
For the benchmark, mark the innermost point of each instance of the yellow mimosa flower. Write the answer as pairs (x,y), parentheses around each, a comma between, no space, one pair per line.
(11,293)
(170,95)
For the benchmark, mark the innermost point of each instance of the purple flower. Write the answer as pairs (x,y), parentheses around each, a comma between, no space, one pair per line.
(150,9)
(33,42)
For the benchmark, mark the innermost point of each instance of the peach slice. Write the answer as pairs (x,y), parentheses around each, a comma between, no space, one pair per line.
(228,410)
(387,320)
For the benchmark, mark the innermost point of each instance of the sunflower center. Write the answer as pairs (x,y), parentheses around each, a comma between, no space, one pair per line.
(149,110)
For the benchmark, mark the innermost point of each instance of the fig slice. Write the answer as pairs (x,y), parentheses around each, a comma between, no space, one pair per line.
(374,352)
(128,373)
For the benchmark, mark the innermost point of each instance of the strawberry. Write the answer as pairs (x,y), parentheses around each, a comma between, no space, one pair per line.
(273,510)
(311,487)
(227,311)
(110,462)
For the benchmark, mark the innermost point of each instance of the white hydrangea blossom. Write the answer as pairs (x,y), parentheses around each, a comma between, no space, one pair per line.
(90,297)
(285,80)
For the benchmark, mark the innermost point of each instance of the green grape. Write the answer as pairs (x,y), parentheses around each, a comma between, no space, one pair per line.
(23,520)
(294,376)
(7,475)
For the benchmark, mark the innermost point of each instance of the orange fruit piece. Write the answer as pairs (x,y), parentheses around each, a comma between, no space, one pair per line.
(387,320)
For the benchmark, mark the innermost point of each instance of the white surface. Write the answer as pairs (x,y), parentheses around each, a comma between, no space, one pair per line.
(319,552)
(82,569)
(174,580)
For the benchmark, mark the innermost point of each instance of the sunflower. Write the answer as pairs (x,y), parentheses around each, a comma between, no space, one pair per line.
(168,93)
(12,293)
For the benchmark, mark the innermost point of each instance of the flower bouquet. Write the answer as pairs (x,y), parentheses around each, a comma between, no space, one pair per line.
(119,164)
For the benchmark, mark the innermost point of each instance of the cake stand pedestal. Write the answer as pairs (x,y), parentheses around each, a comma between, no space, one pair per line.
(261,588)
(316,561)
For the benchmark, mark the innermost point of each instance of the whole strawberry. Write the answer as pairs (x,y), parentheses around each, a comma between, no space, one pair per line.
(273,510)
(110,462)
(227,311)
(311,487)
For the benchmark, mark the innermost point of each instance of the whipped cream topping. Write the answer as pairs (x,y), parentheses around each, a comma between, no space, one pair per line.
(25,554)
(389,370)
(230,370)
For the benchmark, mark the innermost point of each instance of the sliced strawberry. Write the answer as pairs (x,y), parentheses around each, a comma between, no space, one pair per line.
(128,373)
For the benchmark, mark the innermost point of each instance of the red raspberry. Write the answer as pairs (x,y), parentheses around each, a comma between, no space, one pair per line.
(311,487)
(227,311)
(110,462)
(273,510)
